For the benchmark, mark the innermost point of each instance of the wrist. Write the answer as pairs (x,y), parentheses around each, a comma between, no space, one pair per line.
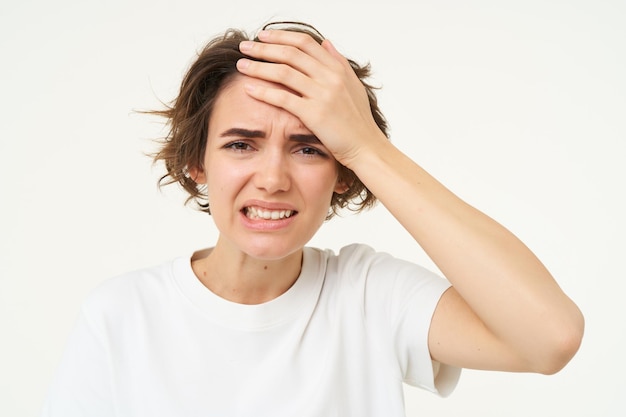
(369,153)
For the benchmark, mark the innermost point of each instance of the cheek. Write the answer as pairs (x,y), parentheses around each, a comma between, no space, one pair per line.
(322,183)
(223,176)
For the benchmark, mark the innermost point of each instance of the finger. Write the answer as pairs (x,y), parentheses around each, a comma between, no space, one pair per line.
(282,54)
(299,40)
(278,73)
(275,96)
(328,46)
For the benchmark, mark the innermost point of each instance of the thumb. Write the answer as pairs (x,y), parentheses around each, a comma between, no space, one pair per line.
(326,44)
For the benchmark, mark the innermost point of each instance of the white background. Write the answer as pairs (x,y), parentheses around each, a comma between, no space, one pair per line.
(518,106)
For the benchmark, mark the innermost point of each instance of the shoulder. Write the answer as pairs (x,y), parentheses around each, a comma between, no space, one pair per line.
(347,263)
(359,267)
(126,291)
(362,261)
(354,255)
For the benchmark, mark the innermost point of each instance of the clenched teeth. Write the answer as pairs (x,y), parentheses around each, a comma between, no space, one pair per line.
(259,213)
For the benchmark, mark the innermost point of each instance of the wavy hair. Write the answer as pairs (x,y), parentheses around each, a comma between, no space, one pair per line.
(189,114)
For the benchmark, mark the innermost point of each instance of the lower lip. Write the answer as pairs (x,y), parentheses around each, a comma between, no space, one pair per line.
(266,225)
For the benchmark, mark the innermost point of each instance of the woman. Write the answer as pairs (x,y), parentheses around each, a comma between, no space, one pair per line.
(272,137)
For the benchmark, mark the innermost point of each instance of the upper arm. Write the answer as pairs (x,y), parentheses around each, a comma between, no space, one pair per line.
(459,338)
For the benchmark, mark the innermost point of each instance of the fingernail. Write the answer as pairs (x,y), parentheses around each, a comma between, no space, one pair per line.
(243,63)
(245,45)
(264,34)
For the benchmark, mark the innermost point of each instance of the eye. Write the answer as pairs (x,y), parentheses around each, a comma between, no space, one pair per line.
(310,151)
(238,146)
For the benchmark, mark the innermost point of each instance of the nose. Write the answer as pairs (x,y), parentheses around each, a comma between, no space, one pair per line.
(272,174)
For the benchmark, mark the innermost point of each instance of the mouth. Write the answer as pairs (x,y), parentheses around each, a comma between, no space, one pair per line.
(258,213)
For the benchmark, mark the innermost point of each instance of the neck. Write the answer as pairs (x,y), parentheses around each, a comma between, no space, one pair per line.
(240,278)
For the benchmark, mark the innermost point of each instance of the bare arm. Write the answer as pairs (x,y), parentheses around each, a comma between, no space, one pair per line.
(504,311)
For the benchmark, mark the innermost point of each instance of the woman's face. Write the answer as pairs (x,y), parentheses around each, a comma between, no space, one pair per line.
(269,179)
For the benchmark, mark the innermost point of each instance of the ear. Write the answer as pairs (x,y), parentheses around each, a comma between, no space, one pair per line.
(341,186)
(197,175)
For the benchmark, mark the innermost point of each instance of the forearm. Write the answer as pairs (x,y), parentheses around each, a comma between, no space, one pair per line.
(501,280)
(508,291)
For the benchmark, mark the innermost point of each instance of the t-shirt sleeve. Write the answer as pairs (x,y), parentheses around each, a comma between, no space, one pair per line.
(413,324)
(81,385)
(406,295)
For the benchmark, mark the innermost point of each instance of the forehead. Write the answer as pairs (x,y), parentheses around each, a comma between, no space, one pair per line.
(234,106)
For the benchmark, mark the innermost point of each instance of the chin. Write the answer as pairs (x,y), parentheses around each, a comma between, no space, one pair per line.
(271,252)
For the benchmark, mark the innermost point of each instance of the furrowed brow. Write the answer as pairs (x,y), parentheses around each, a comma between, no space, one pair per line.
(304,138)
(244,133)
(252,134)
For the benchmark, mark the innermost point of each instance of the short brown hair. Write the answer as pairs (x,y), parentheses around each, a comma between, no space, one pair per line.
(188,117)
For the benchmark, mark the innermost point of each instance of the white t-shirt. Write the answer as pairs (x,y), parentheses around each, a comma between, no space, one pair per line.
(339,342)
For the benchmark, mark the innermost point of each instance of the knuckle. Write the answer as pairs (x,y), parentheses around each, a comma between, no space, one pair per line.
(328,97)
(335,81)
(287,53)
(288,100)
(303,40)
(337,67)
(282,71)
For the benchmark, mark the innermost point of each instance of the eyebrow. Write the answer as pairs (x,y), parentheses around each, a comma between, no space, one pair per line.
(252,134)
(246,133)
